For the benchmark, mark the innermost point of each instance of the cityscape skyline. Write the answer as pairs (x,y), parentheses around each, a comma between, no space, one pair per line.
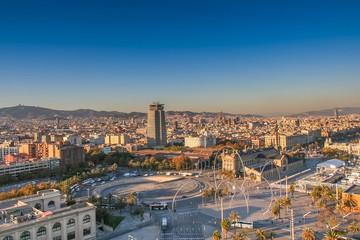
(237,57)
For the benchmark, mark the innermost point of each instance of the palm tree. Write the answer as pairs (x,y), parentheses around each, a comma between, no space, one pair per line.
(276,210)
(286,203)
(131,200)
(350,202)
(316,193)
(292,189)
(260,234)
(331,235)
(239,236)
(217,235)
(341,209)
(234,217)
(353,227)
(308,234)
(110,199)
(320,204)
(225,226)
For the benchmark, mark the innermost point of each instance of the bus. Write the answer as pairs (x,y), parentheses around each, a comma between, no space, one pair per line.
(243,224)
(164,223)
(74,187)
(158,206)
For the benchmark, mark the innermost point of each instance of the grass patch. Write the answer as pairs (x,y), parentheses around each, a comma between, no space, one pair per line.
(114,221)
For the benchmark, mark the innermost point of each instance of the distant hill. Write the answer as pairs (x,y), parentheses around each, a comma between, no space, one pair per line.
(329,112)
(32,112)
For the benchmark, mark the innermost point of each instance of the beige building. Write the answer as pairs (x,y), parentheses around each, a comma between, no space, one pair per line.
(121,139)
(41,217)
(29,166)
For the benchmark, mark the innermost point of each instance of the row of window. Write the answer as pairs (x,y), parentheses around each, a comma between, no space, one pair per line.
(51,204)
(56,227)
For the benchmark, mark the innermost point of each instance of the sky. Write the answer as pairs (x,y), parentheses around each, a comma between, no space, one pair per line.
(236,56)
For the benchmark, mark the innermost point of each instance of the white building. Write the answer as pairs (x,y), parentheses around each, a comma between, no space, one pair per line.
(6,150)
(73,139)
(331,164)
(41,217)
(204,141)
(97,139)
(28,166)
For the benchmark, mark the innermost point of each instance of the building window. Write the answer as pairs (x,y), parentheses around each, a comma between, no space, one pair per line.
(86,231)
(71,222)
(25,235)
(51,204)
(57,238)
(41,231)
(56,227)
(8,238)
(86,219)
(37,206)
(71,235)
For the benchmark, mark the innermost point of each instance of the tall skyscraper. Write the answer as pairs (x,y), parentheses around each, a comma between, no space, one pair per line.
(336,113)
(156,126)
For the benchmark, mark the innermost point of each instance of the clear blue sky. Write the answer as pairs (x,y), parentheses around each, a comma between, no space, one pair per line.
(239,56)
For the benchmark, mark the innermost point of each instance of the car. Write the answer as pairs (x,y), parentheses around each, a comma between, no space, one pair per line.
(103,182)
(145,175)
(94,184)
(127,175)
(184,196)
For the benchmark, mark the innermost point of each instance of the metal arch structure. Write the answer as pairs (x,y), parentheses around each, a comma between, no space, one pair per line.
(173,201)
(236,187)
(216,156)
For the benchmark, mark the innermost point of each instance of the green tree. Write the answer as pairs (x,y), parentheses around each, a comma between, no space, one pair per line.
(320,204)
(292,189)
(331,235)
(261,234)
(225,226)
(131,200)
(239,236)
(276,210)
(217,235)
(234,217)
(70,201)
(308,234)
(286,203)
(110,199)
(353,228)
(120,203)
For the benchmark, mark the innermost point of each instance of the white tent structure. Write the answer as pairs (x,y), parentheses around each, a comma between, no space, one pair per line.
(331,164)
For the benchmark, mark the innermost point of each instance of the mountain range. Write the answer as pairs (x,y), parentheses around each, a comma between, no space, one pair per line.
(32,112)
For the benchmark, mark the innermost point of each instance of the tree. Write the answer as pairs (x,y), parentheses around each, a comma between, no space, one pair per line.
(286,203)
(114,167)
(110,200)
(131,200)
(353,227)
(320,204)
(341,209)
(261,234)
(239,236)
(349,202)
(225,226)
(120,203)
(70,200)
(331,235)
(308,234)
(234,217)
(316,193)
(217,235)
(276,210)
(333,222)
(292,189)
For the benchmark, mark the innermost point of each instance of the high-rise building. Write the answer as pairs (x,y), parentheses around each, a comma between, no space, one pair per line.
(156,126)
(336,113)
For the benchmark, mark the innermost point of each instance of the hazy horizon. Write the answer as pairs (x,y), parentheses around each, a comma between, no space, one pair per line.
(252,57)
